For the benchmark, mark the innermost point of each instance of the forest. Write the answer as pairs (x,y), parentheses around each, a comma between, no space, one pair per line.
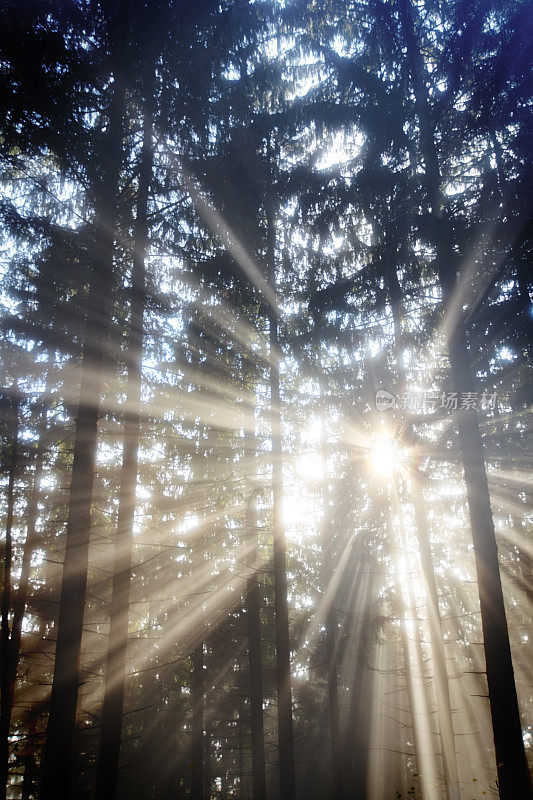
(266,326)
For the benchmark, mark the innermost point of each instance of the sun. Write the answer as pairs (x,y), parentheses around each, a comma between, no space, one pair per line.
(385,457)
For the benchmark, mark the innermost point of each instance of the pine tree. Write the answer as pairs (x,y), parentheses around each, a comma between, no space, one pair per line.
(63,700)
(107,775)
(510,757)
(10,404)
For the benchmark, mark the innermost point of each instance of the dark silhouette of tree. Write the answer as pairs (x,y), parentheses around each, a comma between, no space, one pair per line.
(63,700)
(108,764)
(512,768)
(10,404)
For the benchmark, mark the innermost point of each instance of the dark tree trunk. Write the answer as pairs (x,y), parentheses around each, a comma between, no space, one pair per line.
(425,756)
(442,692)
(63,701)
(358,726)
(208,750)
(442,689)
(198,706)
(28,781)
(240,744)
(19,603)
(281,609)
(12,407)
(513,774)
(255,665)
(331,630)
(112,713)
(199,634)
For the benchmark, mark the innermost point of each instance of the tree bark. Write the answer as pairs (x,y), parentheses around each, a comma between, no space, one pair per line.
(113,708)
(29,759)
(255,665)
(281,608)
(358,724)
(513,774)
(198,705)
(6,701)
(19,603)
(440,672)
(414,670)
(240,740)
(331,627)
(63,701)
(442,690)
(198,636)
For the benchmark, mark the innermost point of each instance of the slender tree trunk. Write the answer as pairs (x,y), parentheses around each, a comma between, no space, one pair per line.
(113,708)
(6,700)
(19,603)
(29,759)
(331,627)
(255,664)
(208,749)
(414,674)
(333,703)
(240,737)
(199,635)
(442,689)
(63,701)
(358,728)
(198,707)
(281,608)
(513,775)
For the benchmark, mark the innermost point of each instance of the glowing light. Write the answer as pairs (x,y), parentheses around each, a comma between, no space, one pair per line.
(310,467)
(385,456)
(295,510)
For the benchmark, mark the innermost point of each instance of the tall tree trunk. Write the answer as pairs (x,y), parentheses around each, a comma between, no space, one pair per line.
(255,664)
(19,603)
(413,667)
(28,780)
(198,636)
(333,703)
(513,775)
(113,708)
(198,707)
(358,726)
(442,689)
(63,701)
(240,739)
(6,701)
(281,608)
(208,752)
(330,624)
